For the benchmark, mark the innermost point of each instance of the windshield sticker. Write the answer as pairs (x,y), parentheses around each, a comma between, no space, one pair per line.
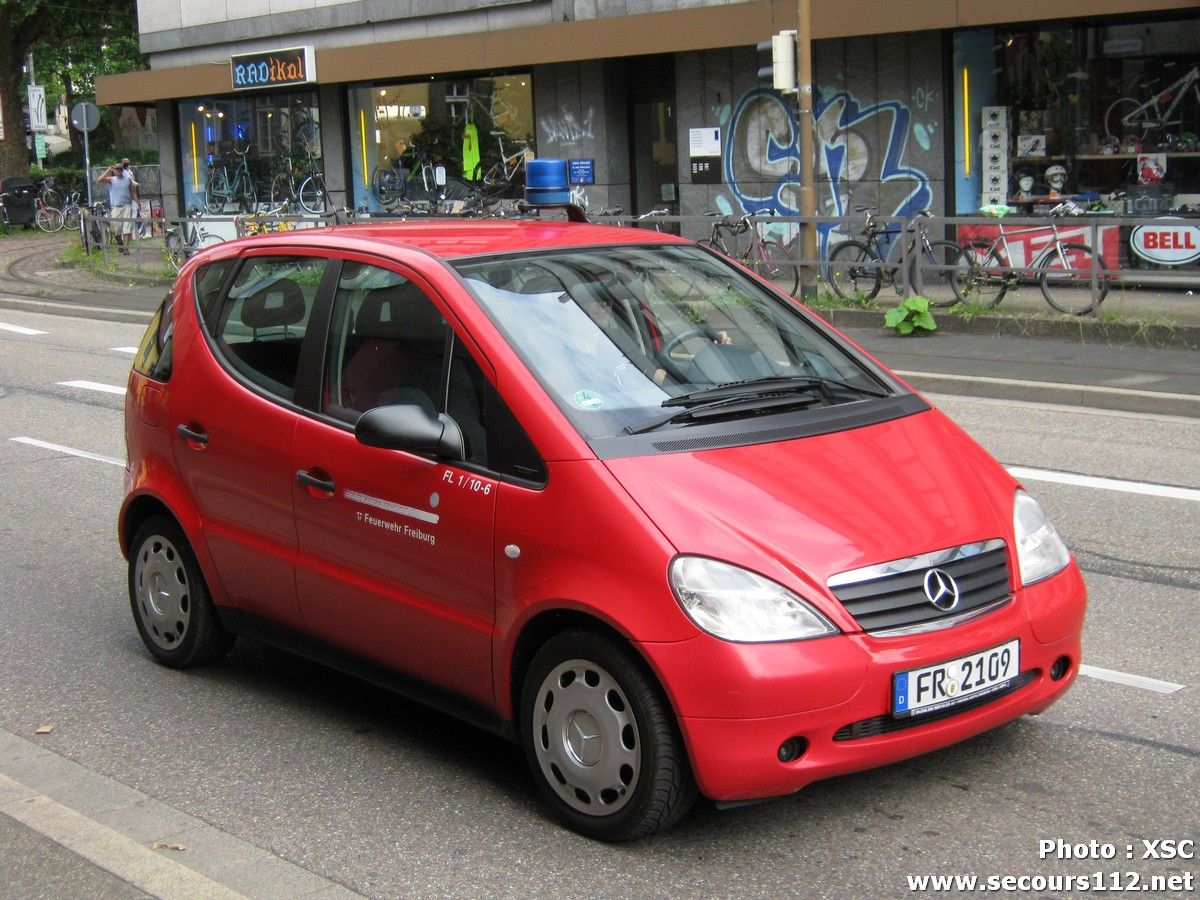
(588,400)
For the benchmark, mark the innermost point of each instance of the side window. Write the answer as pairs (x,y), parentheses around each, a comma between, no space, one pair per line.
(206,284)
(512,452)
(387,345)
(262,322)
(153,357)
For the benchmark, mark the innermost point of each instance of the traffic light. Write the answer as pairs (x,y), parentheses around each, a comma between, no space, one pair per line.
(782,70)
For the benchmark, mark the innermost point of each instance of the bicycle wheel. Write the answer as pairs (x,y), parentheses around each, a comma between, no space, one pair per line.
(935,272)
(980,281)
(282,196)
(854,272)
(216,192)
(1115,127)
(771,260)
(1072,292)
(174,250)
(52,197)
(312,194)
(71,217)
(247,197)
(386,185)
(48,218)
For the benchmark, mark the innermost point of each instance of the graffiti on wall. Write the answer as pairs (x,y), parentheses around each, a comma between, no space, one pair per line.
(566,128)
(857,144)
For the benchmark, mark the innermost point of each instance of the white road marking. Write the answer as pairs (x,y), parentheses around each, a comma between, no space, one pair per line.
(124,349)
(19,329)
(1106,484)
(69,451)
(1137,681)
(94,386)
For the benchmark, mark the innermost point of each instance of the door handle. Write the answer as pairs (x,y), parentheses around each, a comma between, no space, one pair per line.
(312,481)
(198,436)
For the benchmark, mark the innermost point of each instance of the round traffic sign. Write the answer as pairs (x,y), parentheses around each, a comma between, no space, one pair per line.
(85,115)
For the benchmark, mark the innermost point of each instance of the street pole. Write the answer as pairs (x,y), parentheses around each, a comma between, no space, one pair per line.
(33,83)
(806,123)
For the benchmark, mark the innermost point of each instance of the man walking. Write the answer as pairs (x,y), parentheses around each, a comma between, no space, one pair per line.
(123,201)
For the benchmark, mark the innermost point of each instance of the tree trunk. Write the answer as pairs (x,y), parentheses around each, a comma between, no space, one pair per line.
(14,155)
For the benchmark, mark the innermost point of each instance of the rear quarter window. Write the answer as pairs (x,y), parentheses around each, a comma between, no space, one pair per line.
(153,358)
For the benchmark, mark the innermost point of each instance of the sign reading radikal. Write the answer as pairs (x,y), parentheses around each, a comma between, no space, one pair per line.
(273,68)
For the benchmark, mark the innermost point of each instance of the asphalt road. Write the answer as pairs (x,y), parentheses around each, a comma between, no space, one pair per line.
(269,776)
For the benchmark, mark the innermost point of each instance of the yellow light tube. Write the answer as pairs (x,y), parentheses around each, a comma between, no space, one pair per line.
(362,133)
(966,122)
(195,162)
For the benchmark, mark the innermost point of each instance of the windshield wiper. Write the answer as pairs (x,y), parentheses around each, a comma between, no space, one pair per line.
(730,406)
(769,387)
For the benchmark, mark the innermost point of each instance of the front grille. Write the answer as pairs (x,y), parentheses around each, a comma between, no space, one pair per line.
(892,595)
(878,725)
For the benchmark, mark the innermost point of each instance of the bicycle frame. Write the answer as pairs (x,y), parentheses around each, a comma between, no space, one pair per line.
(1173,93)
(1000,247)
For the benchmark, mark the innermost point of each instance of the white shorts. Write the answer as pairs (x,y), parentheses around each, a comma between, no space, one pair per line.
(125,214)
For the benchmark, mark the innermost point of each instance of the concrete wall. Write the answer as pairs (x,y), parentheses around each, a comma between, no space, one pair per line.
(880,130)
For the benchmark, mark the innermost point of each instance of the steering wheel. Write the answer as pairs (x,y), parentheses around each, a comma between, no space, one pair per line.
(673,344)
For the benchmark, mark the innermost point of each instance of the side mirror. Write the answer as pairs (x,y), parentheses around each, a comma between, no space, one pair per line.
(412,428)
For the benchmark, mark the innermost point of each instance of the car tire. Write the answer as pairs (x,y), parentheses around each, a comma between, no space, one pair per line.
(602,741)
(171,605)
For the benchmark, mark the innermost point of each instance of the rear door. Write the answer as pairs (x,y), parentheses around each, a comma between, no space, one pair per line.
(234,418)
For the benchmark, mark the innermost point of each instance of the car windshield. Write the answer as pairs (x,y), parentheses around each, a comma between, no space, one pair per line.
(638,338)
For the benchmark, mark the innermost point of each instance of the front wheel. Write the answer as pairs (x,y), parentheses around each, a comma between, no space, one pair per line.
(854,272)
(71,217)
(171,605)
(216,192)
(937,273)
(771,260)
(1073,291)
(48,218)
(175,250)
(52,197)
(981,281)
(602,741)
(312,194)
(247,197)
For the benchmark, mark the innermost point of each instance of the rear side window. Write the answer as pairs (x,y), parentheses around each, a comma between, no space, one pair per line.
(263,319)
(207,285)
(153,357)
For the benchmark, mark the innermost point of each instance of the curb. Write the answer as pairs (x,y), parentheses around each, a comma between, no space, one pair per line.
(1082,395)
(65,308)
(1080,329)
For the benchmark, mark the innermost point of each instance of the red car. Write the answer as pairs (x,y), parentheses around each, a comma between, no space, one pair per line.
(596,489)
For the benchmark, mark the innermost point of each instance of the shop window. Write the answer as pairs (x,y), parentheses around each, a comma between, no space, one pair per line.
(401,134)
(279,133)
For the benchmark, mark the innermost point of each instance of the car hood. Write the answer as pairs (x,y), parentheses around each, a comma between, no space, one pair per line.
(816,506)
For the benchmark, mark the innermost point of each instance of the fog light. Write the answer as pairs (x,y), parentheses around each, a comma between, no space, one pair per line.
(792,749)
(1061,667)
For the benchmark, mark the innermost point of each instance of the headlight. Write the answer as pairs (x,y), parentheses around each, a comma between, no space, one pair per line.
(1040,551)
(738,605)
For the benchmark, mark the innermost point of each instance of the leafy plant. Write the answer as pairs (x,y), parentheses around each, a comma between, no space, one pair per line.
(912,316)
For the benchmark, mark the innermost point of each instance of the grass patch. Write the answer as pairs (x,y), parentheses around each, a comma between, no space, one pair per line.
(146,249)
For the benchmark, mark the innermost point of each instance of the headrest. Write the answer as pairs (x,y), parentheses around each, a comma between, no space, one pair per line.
(399,312)
(277,305)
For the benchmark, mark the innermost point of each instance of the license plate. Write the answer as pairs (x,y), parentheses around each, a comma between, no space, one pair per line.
(929,689)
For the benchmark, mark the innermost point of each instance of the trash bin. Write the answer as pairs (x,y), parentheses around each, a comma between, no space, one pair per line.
(19,202)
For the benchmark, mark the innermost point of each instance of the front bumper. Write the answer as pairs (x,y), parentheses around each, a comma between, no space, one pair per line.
(737,703)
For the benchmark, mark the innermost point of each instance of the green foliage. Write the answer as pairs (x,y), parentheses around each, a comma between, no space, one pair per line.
(912,316)
(66,178)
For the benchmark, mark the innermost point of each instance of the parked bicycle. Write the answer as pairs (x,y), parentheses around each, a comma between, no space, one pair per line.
(857,270)
(187,238)
(1073,277)
(72,210)
(506,177)
(47,218)
(49,194)
(224,188)
(1129,116)
(299,188)
(764,255)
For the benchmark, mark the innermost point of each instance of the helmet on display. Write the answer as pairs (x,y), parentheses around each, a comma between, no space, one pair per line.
(1056,173)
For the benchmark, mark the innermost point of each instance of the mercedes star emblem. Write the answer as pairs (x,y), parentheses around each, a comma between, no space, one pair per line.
(941,590)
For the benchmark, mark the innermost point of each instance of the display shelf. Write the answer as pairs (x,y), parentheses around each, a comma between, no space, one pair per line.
(1170,154)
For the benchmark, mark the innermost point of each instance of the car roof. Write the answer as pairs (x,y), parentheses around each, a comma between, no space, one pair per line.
(456,238)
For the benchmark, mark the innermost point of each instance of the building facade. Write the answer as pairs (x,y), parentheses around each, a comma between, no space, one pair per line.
(942,105)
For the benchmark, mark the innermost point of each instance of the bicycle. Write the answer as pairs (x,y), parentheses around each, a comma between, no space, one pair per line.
(222,190)
(1141,118)
(309,195)
(1073,277)
(857,270)
(185,239)
(72,211)
(4,223)
(47,218)
(502,178)
(49,194)
(765,256)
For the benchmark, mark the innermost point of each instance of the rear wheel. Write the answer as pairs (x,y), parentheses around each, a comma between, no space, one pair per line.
(312,194)
(602,741)
(1073,291)
(71,217)
(935,271)
(48,218)
(771,260)
(175,251)
(854,272)
(52,197)
(171,605)
(216,192)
